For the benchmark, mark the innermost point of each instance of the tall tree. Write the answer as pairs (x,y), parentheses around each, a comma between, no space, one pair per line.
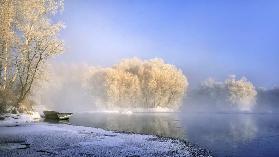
(7,17)
(29,39)
(139,83)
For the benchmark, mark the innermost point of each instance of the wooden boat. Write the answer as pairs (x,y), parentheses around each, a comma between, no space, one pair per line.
(56,115)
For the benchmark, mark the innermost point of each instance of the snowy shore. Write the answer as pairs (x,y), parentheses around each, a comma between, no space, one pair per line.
(44,139)
(17,119)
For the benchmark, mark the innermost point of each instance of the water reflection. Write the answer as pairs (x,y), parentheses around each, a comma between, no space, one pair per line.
(211,126)
(244,129)
(54,121)
(237,135)
(161,124)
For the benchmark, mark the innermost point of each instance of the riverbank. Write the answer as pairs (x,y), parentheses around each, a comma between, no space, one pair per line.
(9,119)
(43,139)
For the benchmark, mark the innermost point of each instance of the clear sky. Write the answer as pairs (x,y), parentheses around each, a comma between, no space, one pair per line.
(205,38)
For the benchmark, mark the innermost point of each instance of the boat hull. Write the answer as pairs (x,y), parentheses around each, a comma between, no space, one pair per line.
(56,115)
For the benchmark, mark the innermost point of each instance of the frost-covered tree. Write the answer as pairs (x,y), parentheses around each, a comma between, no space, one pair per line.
(28,38)
(122,88)
(163,85)
(241,92)
(238,93)
(142,83)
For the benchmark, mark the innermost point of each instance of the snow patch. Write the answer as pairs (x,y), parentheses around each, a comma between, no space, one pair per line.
(68,140)
(16,119)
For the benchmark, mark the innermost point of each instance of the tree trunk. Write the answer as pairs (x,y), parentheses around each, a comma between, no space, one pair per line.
(5,66)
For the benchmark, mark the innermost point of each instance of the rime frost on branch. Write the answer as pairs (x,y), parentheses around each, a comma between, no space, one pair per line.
(28,38)
(138,83)
(241,93)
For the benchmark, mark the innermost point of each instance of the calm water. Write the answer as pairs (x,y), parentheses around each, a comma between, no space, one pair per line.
(237,135)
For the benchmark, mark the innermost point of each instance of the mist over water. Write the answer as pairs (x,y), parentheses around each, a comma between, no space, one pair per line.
(66,88)
(133,84)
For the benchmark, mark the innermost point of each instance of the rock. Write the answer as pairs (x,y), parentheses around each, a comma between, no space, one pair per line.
(2,118)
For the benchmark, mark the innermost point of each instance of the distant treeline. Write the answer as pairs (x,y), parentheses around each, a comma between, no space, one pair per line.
(268,100)
(232,94)
(216,98)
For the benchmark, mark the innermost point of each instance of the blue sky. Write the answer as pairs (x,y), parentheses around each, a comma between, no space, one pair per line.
(205,38)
